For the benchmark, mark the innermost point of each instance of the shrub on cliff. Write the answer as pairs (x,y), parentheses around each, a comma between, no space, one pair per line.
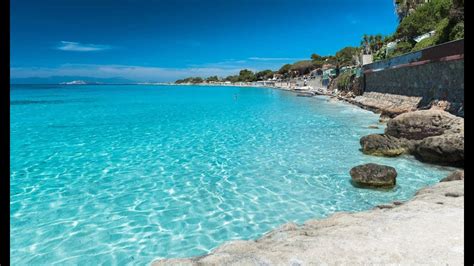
(380,54)
(303,67)
(445,17)
(284,69)
(344,80)
(424,19)
(446,30)
(424,43)
(457,31)
(345,56)
(402,48)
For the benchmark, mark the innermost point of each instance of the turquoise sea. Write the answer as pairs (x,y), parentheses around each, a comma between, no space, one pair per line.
(125,174)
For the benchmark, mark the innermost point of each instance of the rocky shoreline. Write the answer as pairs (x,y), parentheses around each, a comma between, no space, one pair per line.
(432,136)
(427,229)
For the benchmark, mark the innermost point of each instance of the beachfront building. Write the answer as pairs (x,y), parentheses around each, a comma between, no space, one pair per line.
(366,59)
(354,70)
(316,73)
(328,75)
(424,36)
(277,76)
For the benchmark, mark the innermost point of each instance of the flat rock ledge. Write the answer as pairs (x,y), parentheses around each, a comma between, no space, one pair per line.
(387,104)
(428,230)
(456,175)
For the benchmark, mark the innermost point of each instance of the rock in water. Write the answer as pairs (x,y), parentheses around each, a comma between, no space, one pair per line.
(456,175)
(374,175)
(383,145)
(425,123)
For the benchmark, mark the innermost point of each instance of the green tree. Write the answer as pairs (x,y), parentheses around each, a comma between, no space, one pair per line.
(264,75)
(331,60)
(402,48)
(372,43)
(424,19)
(196,80)
(345,56)
(232,78)
(284,69)
(317,60)
(193,80)
(303,67)
(212,79)
(406,7)
(246,75)
(365,44)
(316,57)
(378,39)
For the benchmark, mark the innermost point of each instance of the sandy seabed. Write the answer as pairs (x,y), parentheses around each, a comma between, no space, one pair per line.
(428,229)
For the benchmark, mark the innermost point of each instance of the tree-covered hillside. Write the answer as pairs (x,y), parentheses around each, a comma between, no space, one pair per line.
(440,20)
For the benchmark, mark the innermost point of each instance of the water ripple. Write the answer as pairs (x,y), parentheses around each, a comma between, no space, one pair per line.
(137,173)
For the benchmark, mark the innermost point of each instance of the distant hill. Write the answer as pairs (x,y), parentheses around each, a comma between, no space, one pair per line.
(80,82)
(67,79)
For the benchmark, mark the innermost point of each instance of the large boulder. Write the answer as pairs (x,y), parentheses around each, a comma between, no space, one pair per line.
(374,175)
(456,175)
(384,145)
(418,125)
(447,149)
(456,108)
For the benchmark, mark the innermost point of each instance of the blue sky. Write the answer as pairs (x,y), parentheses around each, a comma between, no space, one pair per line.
(162,40)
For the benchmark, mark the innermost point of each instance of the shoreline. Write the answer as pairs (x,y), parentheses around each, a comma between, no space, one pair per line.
(427,229)
(283,245)
(308,91)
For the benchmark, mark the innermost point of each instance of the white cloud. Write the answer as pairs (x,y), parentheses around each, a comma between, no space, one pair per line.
(81,47)
(151,73)
(136,73)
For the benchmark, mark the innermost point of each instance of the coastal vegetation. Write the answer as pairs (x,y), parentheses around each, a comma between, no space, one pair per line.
(264,75)
(246,75)
(441,20)
(422,24)
(193,80)
(302,67)
(344,80)
(212,78)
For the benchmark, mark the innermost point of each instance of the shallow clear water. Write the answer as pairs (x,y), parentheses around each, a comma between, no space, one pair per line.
(128,174)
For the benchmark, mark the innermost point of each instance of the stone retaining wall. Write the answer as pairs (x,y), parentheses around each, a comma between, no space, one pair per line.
(435,73)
